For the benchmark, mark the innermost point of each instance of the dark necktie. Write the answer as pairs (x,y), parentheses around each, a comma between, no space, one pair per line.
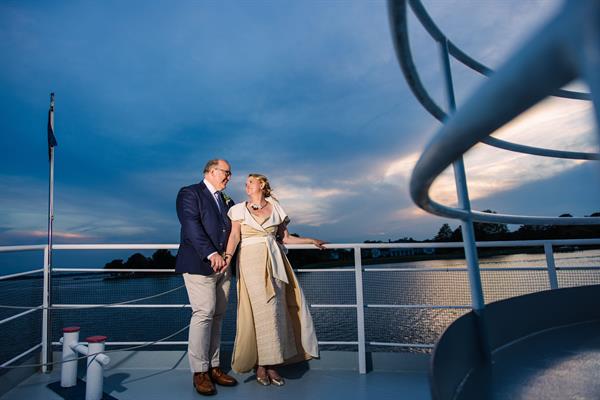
(220,202)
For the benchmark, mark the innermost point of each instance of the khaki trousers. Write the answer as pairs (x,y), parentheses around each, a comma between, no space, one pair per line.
(208,297)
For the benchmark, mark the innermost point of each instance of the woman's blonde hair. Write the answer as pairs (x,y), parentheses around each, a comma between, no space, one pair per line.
(266,186)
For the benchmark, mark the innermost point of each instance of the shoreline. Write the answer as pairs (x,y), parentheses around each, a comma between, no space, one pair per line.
(448,254)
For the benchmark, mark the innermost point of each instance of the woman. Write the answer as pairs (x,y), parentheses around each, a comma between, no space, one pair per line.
(274,325)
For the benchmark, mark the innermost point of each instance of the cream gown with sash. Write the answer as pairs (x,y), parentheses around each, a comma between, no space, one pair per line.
(274,325)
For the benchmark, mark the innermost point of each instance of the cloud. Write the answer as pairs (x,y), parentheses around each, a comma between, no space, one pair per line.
(555,124)
(79,215)
(41,236)
(309,94)
(309,204)
(401,167)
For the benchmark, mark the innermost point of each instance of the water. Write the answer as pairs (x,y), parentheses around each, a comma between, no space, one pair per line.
(424,283)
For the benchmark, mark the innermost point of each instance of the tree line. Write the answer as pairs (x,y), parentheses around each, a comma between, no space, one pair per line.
(485,231)
(164,259)
(491,232)
(161,259)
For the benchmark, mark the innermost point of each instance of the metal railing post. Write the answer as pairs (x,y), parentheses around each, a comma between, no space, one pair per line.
(447,76)
(468,232)
(46,329)
(360,311)
(462,192)
(552,277)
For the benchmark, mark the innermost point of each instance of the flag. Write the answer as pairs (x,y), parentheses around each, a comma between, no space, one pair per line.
(51,138)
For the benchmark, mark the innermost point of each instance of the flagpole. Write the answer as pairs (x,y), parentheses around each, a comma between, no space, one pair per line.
(47,300)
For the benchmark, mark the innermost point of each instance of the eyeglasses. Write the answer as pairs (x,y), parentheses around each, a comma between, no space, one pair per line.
(226,172)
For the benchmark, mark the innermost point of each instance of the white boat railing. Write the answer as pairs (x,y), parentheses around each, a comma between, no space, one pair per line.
(358,269)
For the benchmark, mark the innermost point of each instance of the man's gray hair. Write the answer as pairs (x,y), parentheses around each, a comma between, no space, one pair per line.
(212,164)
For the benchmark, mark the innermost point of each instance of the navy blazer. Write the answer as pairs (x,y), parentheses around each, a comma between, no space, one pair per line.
(204,229)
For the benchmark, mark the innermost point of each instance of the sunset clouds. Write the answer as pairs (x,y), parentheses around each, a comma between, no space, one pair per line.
(308,93)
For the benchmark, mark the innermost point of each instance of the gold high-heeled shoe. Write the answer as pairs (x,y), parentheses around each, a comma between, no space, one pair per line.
(263,381)
(278,382)
(275,381)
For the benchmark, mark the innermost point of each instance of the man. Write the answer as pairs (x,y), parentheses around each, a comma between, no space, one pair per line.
(205,227)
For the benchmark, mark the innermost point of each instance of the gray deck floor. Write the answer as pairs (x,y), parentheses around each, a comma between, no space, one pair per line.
(562,363)
(171,384)
(125,383)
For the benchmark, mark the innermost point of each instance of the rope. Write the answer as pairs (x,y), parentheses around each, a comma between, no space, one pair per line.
(139,346)
(92,307)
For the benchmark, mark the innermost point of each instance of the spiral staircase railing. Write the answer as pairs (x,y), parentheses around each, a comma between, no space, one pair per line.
(566,48)
(465,135)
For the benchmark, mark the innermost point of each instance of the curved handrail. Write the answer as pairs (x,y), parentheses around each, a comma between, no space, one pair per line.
(539,151)
(487,109)
(436,33)
(399,27)
(398,22)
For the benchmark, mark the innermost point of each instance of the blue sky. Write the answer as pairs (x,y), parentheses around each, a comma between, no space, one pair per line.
(307,92)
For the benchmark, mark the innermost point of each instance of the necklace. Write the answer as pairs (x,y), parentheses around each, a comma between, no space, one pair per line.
(257,207)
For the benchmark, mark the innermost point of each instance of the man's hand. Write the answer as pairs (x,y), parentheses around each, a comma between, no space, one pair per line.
(227,257)
(227,264)
(217,262)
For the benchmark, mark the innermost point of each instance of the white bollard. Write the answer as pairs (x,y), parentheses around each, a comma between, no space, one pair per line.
(96,361)
(95,376)
(68,373)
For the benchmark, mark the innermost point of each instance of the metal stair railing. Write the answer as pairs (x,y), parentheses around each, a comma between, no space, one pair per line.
(567,48)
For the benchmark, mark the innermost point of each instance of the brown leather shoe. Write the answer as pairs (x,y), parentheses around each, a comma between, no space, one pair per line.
(203,384)
(221,378)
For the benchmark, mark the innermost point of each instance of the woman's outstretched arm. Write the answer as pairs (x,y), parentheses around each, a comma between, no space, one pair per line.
(291,239)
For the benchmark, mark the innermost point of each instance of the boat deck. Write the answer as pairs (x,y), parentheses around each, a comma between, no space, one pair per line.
(143,377)
(560,363)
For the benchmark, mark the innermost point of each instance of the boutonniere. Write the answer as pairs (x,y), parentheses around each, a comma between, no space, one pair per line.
(227,199)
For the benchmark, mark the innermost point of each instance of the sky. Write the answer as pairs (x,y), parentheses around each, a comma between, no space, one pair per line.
(309,93)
